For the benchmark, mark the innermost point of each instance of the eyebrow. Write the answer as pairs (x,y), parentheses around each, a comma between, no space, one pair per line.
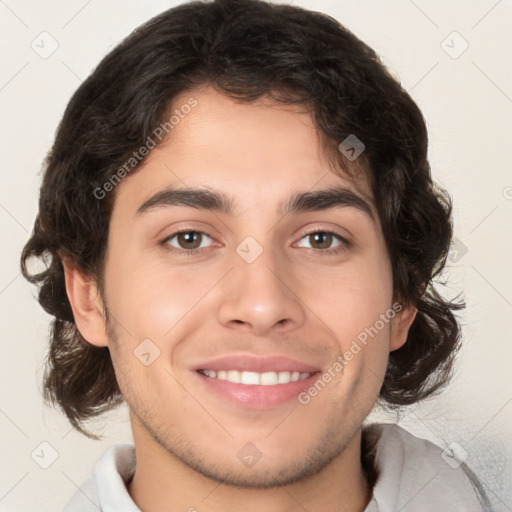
(203,199)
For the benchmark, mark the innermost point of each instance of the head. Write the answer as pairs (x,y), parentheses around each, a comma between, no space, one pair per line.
(250,110)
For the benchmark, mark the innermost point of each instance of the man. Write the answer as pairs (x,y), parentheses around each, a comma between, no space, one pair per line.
(243,234)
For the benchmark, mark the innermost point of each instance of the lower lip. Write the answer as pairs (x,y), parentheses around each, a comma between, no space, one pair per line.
(257,396)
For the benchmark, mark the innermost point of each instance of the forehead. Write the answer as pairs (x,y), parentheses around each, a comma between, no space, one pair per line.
(259,151)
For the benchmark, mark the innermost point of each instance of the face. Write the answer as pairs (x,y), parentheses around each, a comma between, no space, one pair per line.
(225,315)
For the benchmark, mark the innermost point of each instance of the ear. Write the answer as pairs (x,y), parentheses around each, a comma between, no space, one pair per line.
(400,326)
(86,304)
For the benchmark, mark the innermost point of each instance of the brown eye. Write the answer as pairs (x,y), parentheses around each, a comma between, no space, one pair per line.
(324,241)
(187,240)
(320,240)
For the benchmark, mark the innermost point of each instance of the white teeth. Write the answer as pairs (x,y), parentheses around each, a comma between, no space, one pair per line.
(233,376)
(249,378)
(254,378)
(283,377)
(269,378)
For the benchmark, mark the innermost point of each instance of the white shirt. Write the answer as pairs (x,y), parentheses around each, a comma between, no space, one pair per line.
(413,477)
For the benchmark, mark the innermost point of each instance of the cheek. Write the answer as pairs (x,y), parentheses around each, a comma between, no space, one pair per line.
(351,298)
(354,302)
(149,297)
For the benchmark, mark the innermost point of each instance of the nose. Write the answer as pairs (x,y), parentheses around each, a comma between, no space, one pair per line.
(259,297)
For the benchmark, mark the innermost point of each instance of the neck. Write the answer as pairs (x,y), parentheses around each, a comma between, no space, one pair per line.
(161,481)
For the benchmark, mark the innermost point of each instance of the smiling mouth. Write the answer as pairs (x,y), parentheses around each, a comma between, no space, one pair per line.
(255,378)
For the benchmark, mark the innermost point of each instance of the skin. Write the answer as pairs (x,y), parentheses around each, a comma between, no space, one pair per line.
(292,300)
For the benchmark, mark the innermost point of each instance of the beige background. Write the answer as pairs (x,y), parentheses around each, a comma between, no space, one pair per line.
(467,102)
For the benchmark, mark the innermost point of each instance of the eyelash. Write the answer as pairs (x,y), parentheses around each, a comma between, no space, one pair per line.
(345,244)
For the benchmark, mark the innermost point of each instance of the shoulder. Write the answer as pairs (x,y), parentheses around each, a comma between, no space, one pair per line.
(416,475)
(106,488)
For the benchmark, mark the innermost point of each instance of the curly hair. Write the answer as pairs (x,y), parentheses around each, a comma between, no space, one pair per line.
(245,49)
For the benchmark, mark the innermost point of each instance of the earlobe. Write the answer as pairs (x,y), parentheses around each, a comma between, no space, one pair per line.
(86,304)
(400,326)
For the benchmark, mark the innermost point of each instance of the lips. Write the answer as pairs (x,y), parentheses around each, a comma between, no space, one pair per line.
(256,382)
(258,364)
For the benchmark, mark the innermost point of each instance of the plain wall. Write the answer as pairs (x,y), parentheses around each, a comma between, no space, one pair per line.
(467,103)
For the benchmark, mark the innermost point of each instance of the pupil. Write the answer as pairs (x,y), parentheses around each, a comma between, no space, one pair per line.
(323,239)
(189,237)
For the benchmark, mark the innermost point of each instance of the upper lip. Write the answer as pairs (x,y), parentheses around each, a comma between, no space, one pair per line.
(259,364)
